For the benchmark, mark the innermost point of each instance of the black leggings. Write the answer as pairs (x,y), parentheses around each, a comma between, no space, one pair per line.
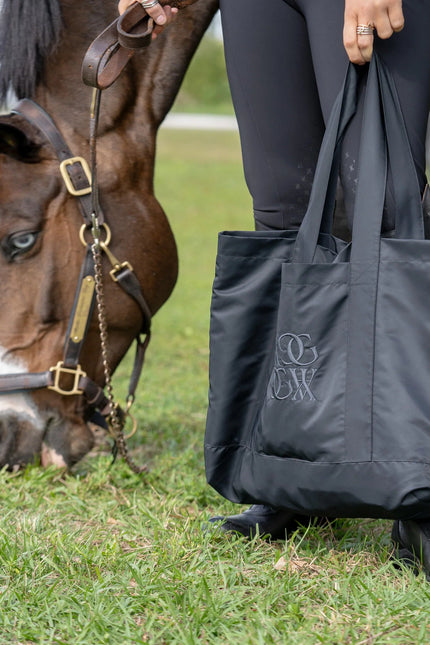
(286,63)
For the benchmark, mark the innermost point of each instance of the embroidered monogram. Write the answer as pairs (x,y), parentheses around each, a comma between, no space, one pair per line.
(292,375)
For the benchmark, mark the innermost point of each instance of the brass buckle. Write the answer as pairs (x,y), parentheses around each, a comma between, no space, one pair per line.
(59,370)
(119,267)
(66,177)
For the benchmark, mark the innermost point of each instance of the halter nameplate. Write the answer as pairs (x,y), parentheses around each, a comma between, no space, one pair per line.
(83,309)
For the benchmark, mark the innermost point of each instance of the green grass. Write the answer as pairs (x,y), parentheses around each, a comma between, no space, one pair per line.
(106,556)
(205,87)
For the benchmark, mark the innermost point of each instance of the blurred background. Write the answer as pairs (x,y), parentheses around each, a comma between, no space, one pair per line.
(205,87)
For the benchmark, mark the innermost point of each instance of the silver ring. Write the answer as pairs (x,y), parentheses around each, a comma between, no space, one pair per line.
(365,30)
(148,4)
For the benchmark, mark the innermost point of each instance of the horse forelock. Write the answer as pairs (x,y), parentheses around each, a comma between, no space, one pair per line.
(29,31)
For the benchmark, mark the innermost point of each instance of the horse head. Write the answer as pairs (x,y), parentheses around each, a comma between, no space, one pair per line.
(42,247)
(38,255)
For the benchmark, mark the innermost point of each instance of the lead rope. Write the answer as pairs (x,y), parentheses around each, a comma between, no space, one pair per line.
(116,421)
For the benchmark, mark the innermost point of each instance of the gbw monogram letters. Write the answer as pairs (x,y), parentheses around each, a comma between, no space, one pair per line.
(292,375)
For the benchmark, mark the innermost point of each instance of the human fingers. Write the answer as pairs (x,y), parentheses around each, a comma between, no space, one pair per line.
(365,39)
(361,50)
(350,39)
(396,17)
(381,22)
(385,16)
(124,4)
(171,13)
(152,7)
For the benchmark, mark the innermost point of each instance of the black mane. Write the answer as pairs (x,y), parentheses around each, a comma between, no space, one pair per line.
(29,31)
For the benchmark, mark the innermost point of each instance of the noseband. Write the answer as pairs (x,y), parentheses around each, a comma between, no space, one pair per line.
(104,61)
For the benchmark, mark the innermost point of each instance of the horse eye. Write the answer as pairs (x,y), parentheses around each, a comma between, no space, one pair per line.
(23,241)
(19,243)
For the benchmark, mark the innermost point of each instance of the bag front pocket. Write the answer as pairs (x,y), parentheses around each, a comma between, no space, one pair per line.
(401,401)
(303,413)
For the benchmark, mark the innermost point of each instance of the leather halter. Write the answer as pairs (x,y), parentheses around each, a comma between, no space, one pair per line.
(105,59)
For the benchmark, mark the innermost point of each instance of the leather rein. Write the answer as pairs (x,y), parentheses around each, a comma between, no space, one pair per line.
(102,64)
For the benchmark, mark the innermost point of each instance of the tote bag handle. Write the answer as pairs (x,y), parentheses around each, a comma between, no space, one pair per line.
(372,168)
(331,151)
(324,186)
(369,204)
(409,213)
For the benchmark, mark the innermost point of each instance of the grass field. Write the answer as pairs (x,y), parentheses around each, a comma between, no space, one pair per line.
(105,556)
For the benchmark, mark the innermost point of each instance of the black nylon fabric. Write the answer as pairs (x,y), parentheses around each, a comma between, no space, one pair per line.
(320,353)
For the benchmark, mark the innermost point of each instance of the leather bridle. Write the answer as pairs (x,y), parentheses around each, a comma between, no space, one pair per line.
(104,61)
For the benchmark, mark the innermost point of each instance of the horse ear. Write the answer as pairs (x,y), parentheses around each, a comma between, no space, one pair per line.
(16,140)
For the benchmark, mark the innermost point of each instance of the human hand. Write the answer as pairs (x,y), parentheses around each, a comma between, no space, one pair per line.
(161,15)
(386,16)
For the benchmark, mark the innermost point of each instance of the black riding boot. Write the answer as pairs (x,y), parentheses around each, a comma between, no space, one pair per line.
(275,523)
(412,541)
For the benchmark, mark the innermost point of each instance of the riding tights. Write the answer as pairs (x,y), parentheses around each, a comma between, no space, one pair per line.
(286,64)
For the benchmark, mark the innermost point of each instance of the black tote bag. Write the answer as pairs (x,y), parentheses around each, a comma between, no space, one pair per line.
(319,396)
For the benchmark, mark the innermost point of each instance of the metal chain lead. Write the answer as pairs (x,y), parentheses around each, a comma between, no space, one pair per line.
(116,423)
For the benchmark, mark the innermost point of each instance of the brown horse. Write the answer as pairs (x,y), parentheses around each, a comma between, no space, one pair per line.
(42,48)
